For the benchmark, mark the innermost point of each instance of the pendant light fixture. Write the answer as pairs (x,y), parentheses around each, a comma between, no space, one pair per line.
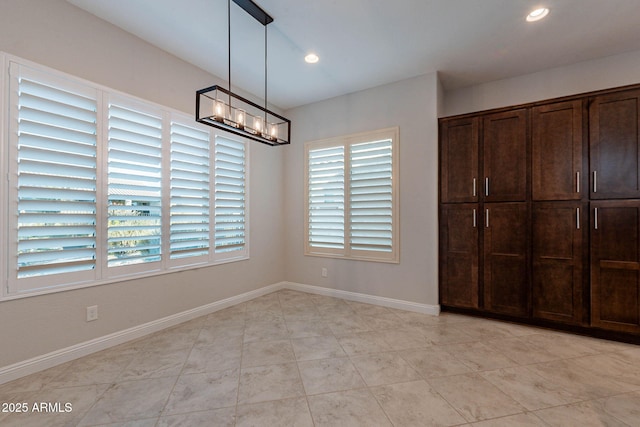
(223,109)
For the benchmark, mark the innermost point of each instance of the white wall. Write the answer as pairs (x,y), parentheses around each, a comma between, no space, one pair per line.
(59,35)
(604,73)
(412,105)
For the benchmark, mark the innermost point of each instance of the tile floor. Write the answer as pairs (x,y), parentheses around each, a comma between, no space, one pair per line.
(296,359)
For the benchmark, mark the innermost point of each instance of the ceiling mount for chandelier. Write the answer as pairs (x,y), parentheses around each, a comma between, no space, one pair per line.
(223,109)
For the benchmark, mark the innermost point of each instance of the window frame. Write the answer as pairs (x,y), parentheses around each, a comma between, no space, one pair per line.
(347,252)
(14,288)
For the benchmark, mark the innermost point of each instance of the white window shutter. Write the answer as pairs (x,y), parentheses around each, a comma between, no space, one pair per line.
(230,197)
(134,185)
(326,197)
(53,129)
(371,196)
(189,204)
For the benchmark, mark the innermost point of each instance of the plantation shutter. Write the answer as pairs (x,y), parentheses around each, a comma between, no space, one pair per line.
(189,205)
(326,175)
(370,195)
(134,185)
(53,129)
(230,190)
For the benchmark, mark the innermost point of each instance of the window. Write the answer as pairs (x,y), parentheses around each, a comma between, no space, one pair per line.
(53,144)
(351,197)
(103,186)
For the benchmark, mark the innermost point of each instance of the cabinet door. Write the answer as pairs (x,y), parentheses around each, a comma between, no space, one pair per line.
(614,146)
(459,255)
(615,265)
(506,273)
(556,138)
(558,261)
(505,156)
(459,160)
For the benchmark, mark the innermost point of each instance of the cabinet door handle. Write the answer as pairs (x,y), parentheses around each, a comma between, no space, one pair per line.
(474,187)
(486,186)
(595,181)
(596,218)
(577,182)
(475,219)
(487,217)
(577,218)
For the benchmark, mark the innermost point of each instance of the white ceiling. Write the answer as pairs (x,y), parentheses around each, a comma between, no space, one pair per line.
(366,43)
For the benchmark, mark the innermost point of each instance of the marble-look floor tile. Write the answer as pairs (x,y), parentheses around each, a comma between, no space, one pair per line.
(306,328)
(213,358)
(155,364)
(620,372)
(35,381)
(347,324)
(272,382)
(520,350)
(351,408)
(224,335)
(256,331)
(584,414)
(98,368)
(529,389)
(312,348)
(145,422)
(581,382)
(475,398)
(403,339)
(262,353)
(486,330)
(130,400)
(446,334)
(520,420)
(383,322)
(224,417)
(363,343)
(434,362)
(278,413)
(479,357)
(625,407)
(328,375)
(562,346)
(201,392)
(384,368)
(416,403)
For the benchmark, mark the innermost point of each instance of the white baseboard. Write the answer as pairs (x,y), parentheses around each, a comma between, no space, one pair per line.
(49,360)
(365,298)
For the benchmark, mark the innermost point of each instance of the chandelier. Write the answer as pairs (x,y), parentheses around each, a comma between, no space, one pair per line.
(223,109)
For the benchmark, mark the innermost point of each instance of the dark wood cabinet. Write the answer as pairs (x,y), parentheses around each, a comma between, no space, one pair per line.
(459,160)
(504,139)
(614,138)
(556,151)
(505,258)
(459,254)
(558,259)
(540,213)
(615,265)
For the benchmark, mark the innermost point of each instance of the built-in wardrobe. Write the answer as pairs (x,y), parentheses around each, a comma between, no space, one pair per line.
(540,213)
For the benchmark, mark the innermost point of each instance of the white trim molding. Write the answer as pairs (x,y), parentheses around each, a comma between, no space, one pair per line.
(433,310)
(58,357)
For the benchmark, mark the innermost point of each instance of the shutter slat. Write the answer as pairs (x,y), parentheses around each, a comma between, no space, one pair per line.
(189,211)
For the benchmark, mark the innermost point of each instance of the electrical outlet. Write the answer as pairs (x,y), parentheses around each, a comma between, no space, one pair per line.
(325,273)
(92,313)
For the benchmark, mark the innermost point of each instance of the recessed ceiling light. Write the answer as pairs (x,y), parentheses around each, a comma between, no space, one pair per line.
(537,14)
(311,58)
